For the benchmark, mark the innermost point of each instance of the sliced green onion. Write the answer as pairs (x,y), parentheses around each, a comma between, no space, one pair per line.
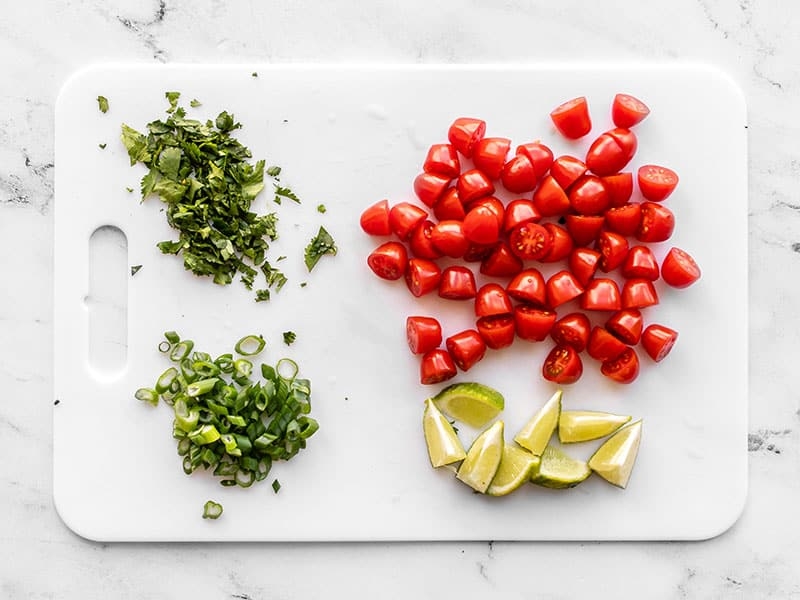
(172,337)
(186,418)
(164,347)
(243,368)
(198,388)
(225,363)
(244,478)
(166,380)
(181,350)
(250,345)
(212,510)
(276,485)
(205,434)
(147,395)
(283,365)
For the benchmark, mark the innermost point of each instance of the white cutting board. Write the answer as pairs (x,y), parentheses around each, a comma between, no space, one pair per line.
(347,137)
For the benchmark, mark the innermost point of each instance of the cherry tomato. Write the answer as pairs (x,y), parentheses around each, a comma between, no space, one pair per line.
(622,369)
(473,184)
(627,142)
(601,294)
(518,175)
(375,219)
(501,262)
(561,243)
(530,241)
(640,264)
(449,239)
(420,241)
(449,206)
(606,156)
(657,224)
(563,365)
(656,183)
(481,226)
(624,219)
(638,293)
(566,170)
(404,217)
(490,155)
(584,229)
(658,341)
(541,157)
(627,110)
(528,286)
(561,288)
(423,334)
(572,330)
(583,262)
(389,260)
(614,250)
(466,348)
(436,366)
(603,345)
(550,199)
(518,212)
(492,299)
(619,187)
(533,324)
(442,159)
(493,204)
(465,132)
(627,325)
(679,269)
(497,331)
(457,283)
(429,187)
(422,276)
(478,252)
(589,196)
(572,118)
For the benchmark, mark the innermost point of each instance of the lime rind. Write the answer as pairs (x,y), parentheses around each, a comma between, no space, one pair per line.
(472,403)
(586,425)
(483,458)
(536,433)
(444,447)
(516,468)
(558,470)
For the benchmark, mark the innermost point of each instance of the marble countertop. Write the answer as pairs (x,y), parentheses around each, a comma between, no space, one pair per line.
(43,42)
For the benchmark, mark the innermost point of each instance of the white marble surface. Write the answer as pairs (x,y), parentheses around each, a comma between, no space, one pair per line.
(41,43)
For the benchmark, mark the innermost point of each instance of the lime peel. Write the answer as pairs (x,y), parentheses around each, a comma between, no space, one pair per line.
(516,467)
(472,403)
(558,470)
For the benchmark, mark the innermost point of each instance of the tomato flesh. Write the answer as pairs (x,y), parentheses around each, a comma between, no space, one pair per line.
(423,334)
(533,324)
(530,241)
(658,340)
(613,248)
(627,325)
(656,183)
(627,110)
(422,276)
(466,348)
(572,330)
(464,133)
(624,219)
(420,241)
(622,369)
(561,243)
(563,365)
(679,269)
(375,219)
(657,225)
(436,366)
(497,331)
(389,261)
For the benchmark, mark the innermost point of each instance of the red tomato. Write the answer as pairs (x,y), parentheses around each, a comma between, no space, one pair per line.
(375,219)
(442,159)
(541,157)
(501,262)
(530,241)
(584,229)
(550,199)
(423,334)
(606,156)
(481,226)
(638,293)
(626,140)
(473,184)
(658,341)
(561,288)
(466,348)
(420,241)
(603,345)
(561,244)
(493,204)
(490,155)
(640,264)
(389,260)
(601,294)
(563,365)
(436,366)
(518,175)
(497,331)
(583,262)
(624,219)
(589,196)
(619,187)
(528,286)
(429,187)
(656,183)
(657,224)
(627,111)
(622,369)
(422,276)
(449,206)
(572,330)
(679,269)
(566,170)
(464,133)
(478,252)
(491,300)
(449,239)
(518,212)
(404,218)
(572,118)
(614,250)
(627,325)
(457,283)
(533,324)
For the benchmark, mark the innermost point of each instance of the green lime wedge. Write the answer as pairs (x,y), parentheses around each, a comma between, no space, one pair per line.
(585,425)
(537,432)
(444,447)
(558,470)
(483,458)
(516,467)
(614,460)
(472,403)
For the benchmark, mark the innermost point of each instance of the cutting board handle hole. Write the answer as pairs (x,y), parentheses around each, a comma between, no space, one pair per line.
(107,300)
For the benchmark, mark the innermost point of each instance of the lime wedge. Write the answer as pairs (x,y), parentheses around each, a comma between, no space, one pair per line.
(537,432)
(483,458)
(444,447)
(558,470)
(586,425)
(472,403)
(516,467)
(614,460)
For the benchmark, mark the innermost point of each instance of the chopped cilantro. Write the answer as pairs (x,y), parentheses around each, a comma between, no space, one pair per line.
(102,146)
(194,103)
(320,244)
(289,337)
(135,269)
(273,171)
(254,74)
(102,104)
(276,485)
(284,192)
(129,190)
(321,208)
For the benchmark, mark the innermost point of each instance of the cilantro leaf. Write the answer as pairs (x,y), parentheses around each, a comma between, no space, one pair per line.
(102,104)
(289,337)
(195,103)
(136,144)
(320,245)
(284,192)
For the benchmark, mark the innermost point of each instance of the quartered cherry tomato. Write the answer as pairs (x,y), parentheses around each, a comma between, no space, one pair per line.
(541,157)
(584,262)
(429,187)
(614,249)
(497,331)
(492,299)
(518,175)
(518,212)
(638,293)
(404,217)
(656,183)
(466,348)
(423,334)
(464,133)
(566,170)
(561,288)
(481,226)
(627,325)
(501,262)
(572,118)
(490,155)
(588,196)
(624,219)
(449,239)
(622,369)
(603,345)
(563,365)
(473,184)
(601,294)
(528,286)
(550,199)
(420,241)
(679,269)
(533,324)
(530,241)
(640,264)
(436,366)
(561,243)
(658,340)
(657,224)
(457,283)
(375,219)
(442,159)
(627,110)
(584,229)
(619,187)
(422,276)
(389,260)
(449,206)
(572,330)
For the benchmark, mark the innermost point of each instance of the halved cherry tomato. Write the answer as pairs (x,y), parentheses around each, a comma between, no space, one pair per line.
(528,286)
(601,294)
(541,157)
(423,334)
(607,155)
(493,204)
(572,118)
(561,243)
(566,170)
(658,341)
(422,276)
(622,369)
(473,184)
(589,196)
(530,241)
(442,159)
(436,366)
(640,264)
(533,324)
(491,300)
(449,239)
(679,269)
(465,132)
(480,225)
(520,211)
(603,345)
(501,262)
(404,218)
(478,252)
(563,365)
(627,325)
(449,206)
(429,187)
(627,110)
(497,331)
(619,187)
(561,288)
(656,183)
(658,223)
(584,229)
(550,199)
(638,293)
(614,250)
(572,330)
(490,155)
(420,241)
(466,348)
(389,261)
(375,219)
(518,175)
(624,219)
(584,262)
(457,283)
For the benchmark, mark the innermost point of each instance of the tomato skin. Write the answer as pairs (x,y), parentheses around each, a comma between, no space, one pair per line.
(561,243)
(423,334)
(464,133)
(422,276)
(449,239)
(561,288)
(442,159)
(466,348)
(627,110)
(639,293)
(457,283)
(533,324)
(375,219)
(436,366)
(572,118)
(619,187)
(627,325)
(491,300)
(640,264)
(566,170)
(473,184)
(518,212)
(541,157)
(572,330)
(404,218)
(624,219)
(518,175)
(480,225)
(584,229)
(429,187)
(656,183)
(530,241)
(477,252)
(493,204)
(622,369)
(420,241)
(679,269)
(389,261)
(528,286)
(584,262)
(563,365)
(603,345)
(490,155)
(606,156)
(501,262)
(658,341)
(550,199)
(601,294)
(627,142)
(497,331)
(589,196)
(449,206)
(658,223)
(614,250)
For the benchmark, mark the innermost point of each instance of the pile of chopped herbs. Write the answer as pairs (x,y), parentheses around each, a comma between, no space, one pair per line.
(226,418)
